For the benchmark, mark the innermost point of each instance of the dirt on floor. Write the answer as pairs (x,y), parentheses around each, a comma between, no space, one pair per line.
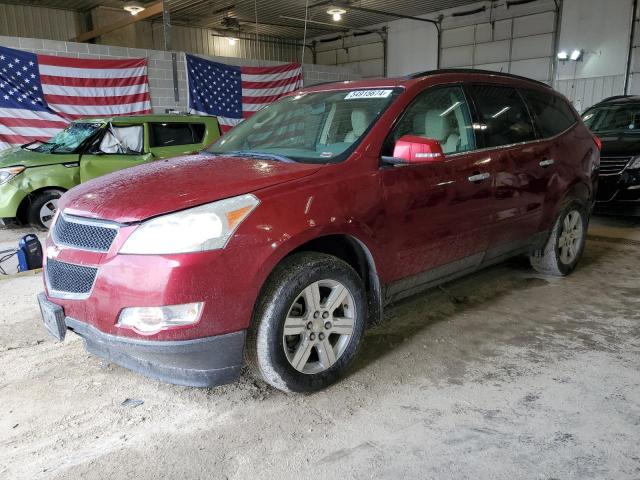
(505,374)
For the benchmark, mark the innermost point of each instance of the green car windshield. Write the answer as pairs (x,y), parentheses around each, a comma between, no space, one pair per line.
(615,118)
(69,139)
(320,127)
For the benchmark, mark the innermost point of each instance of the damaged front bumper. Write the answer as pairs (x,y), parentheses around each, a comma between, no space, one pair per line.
(202,362)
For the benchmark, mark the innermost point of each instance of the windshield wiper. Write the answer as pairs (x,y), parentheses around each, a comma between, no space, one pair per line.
(263,155)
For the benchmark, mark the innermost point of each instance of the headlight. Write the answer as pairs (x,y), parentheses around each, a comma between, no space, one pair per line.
(635,163)
(150,320)
(8,173)
(207,227)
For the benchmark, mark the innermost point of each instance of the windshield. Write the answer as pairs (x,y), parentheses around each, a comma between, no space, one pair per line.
(320,127)
(69,139)
(616,118)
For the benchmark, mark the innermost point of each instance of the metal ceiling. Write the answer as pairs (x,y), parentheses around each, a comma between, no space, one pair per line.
(270,13)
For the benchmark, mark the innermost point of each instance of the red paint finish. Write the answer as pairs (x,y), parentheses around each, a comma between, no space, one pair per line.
(410,218)
(170,185)
(415,149)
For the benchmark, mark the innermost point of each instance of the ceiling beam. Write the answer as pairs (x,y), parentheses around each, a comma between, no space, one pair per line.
(150,11)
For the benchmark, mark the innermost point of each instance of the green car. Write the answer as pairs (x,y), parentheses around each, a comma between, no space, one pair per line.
(35,175)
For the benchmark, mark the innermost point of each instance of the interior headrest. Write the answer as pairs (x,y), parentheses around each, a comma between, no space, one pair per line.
(360,119)
(418,123)
(435,125)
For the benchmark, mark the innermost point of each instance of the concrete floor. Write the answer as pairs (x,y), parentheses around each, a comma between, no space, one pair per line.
(504,374)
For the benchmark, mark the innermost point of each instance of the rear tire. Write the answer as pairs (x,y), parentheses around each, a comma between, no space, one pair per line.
(321,301)
(42,208)
(565,245)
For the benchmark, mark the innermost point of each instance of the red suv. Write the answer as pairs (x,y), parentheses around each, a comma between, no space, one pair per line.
(283,240)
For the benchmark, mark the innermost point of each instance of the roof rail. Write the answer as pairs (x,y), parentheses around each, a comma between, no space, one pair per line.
(472,70)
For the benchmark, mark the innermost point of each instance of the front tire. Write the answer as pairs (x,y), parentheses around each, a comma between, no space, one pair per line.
(308,324)
(42,208)
(565,245)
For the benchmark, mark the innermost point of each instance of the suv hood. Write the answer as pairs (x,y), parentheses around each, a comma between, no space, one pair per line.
(165,186)
(614,145)
(19,156)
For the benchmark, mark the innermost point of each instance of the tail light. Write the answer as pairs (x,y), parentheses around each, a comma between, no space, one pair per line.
(598,142)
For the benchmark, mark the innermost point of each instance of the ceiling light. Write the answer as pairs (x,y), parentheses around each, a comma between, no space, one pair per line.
(563,55)
(232,40)
(133,8)
(336,13)
(576,55)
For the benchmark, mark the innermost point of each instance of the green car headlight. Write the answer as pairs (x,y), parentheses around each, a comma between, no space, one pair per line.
(8,173)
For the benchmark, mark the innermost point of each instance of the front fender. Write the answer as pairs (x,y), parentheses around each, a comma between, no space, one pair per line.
(291,215)
(13,193)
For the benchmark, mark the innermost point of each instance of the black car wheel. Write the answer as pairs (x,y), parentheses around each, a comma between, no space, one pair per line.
(42,208)
(566,242)
(308,323)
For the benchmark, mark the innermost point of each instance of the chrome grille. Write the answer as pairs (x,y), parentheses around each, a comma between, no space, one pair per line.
(84,233)
(69,280)
(613,165)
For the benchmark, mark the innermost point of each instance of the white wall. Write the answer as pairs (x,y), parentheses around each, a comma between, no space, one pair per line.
(413,47)
(362,54)
(518,40)
(602,29)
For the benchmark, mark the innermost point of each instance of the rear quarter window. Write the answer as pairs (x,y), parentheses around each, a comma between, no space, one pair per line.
(552,114)
(172,134)
(504,117)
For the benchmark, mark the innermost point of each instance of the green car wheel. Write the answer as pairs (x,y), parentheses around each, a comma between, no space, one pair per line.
(43,207)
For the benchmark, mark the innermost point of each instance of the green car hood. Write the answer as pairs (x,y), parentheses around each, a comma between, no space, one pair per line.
(26,158)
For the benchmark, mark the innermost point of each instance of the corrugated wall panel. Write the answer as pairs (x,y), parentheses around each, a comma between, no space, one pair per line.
(37,22)
(584,92)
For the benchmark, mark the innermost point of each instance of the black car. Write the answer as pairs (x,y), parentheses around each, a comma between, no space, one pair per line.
(616,121)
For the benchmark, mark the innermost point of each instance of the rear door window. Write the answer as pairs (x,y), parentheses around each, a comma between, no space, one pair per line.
(503,115)
(551,113)
(173,134)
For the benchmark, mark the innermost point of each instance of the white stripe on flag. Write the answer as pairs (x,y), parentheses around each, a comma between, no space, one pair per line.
(267,92)
(92,72)
(29,131)
(254,107)
(270,77)
(94,91)
(229,121)
(101,109)
(29,115)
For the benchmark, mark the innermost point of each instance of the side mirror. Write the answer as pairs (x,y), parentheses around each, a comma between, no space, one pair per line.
(410,149)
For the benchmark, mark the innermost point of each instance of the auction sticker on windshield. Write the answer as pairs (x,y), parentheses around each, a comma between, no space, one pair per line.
(368,94)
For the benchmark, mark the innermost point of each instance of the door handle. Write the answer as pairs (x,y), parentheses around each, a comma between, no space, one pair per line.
(479,177)
(547,163)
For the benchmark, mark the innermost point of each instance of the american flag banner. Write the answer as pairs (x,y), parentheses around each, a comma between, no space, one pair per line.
(234,93)
(40,94)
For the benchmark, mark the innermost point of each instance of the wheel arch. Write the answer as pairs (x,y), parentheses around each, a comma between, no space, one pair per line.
(579,191)
(23,209)
(355,253)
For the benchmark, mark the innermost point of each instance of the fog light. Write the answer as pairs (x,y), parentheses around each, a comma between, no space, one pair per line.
(150,320)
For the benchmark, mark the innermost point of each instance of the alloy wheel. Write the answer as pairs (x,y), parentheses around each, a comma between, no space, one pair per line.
(570,237)
(318,326)
(47,211)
